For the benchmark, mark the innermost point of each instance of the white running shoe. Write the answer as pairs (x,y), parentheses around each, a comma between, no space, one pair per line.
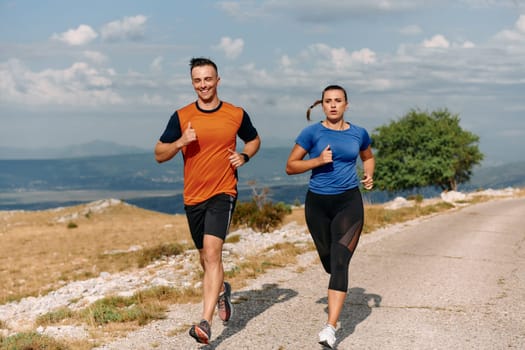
(327,336)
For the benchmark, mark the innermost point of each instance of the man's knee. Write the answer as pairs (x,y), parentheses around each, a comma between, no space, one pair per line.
(211,253)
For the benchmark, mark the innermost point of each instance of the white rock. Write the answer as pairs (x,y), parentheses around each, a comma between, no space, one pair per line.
(398,202)
(453,196)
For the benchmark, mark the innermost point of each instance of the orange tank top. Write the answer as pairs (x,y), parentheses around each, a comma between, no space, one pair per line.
(207,169)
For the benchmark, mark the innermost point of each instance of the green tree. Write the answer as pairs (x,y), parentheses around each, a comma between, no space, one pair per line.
(423,149)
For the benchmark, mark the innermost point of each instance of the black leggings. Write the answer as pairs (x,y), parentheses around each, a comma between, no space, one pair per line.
(335,223)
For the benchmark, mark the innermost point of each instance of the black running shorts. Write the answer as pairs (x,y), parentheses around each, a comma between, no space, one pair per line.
(211,217)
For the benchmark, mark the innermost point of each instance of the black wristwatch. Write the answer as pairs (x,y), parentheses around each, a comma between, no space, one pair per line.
(246,157)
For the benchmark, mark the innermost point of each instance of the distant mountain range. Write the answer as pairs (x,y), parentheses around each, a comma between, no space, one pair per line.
(136,177)
(138,172)
(90,149)
(43,183)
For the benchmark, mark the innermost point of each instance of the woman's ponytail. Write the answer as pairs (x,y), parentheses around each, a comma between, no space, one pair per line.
(310,108)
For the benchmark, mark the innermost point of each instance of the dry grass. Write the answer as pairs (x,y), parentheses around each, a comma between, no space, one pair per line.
(38,253)
(43,250)
(276,256)
(376,216)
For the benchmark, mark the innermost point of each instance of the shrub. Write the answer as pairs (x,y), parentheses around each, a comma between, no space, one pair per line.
(119,309)
(72,224)
(29,341)
(54,316)
(260,214)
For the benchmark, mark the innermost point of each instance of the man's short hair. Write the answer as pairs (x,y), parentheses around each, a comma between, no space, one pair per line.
(202,61)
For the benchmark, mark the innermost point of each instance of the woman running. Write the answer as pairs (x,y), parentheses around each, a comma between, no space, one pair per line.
(333,206)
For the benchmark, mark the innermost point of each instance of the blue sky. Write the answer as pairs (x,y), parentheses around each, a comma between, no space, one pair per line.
(76,71)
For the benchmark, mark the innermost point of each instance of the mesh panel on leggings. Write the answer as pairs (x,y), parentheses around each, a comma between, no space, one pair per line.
(351,237)
(341,253)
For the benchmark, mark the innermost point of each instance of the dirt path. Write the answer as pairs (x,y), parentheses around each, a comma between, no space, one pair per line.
(451,281)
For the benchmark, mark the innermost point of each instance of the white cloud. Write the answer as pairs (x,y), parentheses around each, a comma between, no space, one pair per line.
(232,48)
(468,44)
(520,24)
(80,36)
(365,55)
(131,28)
(96,57)
(285,61)
(156,65)
(77,85)
(340,57)
(437,41)
(508,35)
(513,35)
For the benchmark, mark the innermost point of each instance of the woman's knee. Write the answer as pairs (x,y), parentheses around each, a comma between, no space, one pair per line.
(325,261)
(340,257)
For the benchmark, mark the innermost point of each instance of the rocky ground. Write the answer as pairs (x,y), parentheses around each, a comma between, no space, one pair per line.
(177,271)
(20,316)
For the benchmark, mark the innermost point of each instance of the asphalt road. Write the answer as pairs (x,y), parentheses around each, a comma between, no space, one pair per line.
(451,281)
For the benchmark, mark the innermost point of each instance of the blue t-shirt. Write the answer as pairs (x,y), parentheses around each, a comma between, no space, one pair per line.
(341,174)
